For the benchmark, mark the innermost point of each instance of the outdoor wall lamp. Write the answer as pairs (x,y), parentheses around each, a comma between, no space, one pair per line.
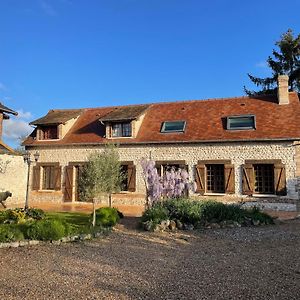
(29,161)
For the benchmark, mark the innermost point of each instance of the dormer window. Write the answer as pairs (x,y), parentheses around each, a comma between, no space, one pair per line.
(173,126)
(241,122)
(121,129)
(48,132)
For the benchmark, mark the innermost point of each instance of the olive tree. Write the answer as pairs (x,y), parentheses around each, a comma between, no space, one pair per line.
(101,175)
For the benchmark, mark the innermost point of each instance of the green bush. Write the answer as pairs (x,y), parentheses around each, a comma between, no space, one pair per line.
(20,215)
(185,210)
(9,233)
(17,215)
(107,216)
(201,212)
(35,213)
(155,214)
(46,230)
(3,216)
(257,215)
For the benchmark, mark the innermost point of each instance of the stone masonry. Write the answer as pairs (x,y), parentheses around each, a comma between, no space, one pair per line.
(237,152)
(13,176)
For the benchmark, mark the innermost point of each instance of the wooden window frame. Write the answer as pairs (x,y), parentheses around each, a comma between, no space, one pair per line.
(201,176)
(56,173)
(42,133)
(131,176)
(248,177)
(122,124)
(163,163)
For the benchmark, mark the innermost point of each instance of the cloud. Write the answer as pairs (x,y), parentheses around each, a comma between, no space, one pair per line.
(2,87)
(24,114)
(16,128)
(47,8)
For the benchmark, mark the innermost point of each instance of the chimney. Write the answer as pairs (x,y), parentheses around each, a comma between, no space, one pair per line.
(1,121)
(283,89)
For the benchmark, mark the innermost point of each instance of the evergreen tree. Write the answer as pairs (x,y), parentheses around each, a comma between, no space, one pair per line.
(285,61)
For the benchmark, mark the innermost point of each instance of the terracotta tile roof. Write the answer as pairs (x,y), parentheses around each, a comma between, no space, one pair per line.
(57,116)
(205,122)
(124,113)
(7,110)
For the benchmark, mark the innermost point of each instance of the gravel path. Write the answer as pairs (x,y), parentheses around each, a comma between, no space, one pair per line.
(240,263)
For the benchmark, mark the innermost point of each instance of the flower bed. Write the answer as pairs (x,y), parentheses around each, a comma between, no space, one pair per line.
(187,214)
(19,225)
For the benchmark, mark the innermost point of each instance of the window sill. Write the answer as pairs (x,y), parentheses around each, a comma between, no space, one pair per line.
(120,137)
(264,195)
(215,194)
(46,191)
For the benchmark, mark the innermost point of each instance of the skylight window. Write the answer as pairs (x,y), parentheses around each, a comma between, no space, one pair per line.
(241,122)
(173,126)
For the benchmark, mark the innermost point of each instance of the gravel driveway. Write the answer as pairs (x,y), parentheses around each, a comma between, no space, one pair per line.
(240,263)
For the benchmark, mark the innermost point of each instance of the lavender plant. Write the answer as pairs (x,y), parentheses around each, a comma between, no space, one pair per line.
(172,184)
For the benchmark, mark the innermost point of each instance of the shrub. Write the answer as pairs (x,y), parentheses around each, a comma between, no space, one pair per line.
(35,213)
(10,233)
(255,214)
(16,215)
(107,216)
(3,216)
(201,212)
(20,215)
(155,214)
(46,230)
(185,210)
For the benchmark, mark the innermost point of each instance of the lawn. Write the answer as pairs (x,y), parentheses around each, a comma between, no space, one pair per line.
(79,222)
(34,224)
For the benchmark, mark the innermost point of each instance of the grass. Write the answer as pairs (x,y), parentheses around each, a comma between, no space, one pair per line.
(73,223)
(79,222)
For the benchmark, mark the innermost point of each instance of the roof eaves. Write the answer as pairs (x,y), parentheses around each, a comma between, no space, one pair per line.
(7,110)
(172,142)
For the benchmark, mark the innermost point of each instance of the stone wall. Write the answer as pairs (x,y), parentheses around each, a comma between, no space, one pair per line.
(13,176)
(191,153)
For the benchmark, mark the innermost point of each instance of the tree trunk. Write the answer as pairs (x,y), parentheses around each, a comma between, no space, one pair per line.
(94,213)
(109,200)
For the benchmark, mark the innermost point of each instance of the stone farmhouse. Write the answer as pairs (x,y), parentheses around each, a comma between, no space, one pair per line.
(4,115)
(236,149)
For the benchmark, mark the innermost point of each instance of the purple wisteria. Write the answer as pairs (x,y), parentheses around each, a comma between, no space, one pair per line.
(172,184)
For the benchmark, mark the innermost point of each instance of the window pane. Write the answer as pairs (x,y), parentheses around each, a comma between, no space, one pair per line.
(124,184)
(121,129)
(264,178)
(49,133)
(176,126)
(215,178)
(126,129)
(246,122)
(48,178)
(117,129)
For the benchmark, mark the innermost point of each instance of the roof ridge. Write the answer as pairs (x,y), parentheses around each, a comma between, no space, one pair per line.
(170,102)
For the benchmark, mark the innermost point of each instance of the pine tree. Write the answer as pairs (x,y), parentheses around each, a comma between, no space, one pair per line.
(285,61)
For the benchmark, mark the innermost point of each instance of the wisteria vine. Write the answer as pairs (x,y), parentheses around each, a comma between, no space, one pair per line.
(172,184)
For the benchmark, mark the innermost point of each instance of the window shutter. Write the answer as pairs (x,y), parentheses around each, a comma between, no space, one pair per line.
(57,178)
(36,172)
(248,179)
(69,183)
(200,179)
(131,178)
(229,179)
(280,179)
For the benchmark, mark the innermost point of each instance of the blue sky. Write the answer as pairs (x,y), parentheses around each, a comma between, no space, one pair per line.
(90,53)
